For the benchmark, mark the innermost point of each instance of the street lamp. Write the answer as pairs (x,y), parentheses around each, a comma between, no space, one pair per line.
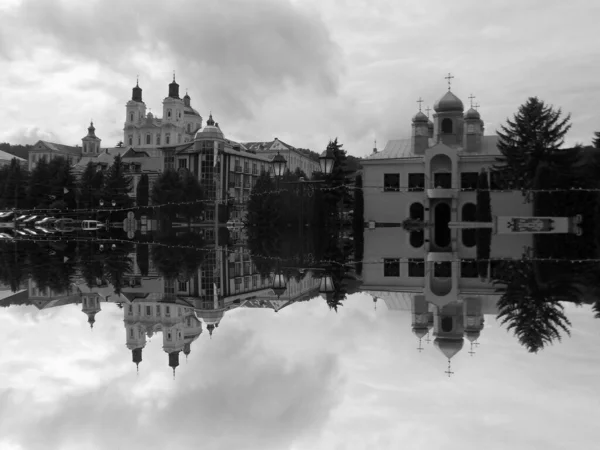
(279,163)
(278,284)
(326,285)
(326,161)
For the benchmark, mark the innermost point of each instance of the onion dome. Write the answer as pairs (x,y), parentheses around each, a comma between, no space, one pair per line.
(449,347)
(187,349)
(472,114)
(92,319)
(472,336)
(136,355)
(420,118)
(449,103)
(186,99)
(420,332)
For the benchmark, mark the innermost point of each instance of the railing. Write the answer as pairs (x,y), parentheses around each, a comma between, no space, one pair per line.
(238,168)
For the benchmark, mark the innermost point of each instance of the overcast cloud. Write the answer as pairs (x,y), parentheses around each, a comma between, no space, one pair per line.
(304,71)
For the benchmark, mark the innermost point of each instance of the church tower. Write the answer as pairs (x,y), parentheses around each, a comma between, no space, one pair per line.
(473,318)
(173,107)
(473,130)
(90,144)
(420,132)
(135,113)
(448,118)
(91,306)
(420,316)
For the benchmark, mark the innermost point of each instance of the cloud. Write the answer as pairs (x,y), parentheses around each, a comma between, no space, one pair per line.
(269,405)
(30,135)
(236,52)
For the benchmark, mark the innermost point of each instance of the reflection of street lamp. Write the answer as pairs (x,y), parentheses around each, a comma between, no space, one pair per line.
(278,284)
(326,161)
(326,286)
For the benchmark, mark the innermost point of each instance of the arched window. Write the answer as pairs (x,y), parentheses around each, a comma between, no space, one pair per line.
(447,126)
(468,215)
(417,211)
(148,139)
(131,117)
(130,139)
(189,127)
(158,139)
(447,324)
(169,113)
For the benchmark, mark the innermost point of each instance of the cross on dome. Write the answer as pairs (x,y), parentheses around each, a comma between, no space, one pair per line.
(173,76)
(419,102)
(449,78)
(471,97)
(428,109)
(476,105)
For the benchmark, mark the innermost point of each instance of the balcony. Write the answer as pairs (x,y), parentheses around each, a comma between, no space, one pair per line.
(238,169)
(231,184)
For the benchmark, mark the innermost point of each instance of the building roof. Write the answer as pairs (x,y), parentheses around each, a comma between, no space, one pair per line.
(274,145)
(7,156)
(448,103)
(402,148)
(59,148)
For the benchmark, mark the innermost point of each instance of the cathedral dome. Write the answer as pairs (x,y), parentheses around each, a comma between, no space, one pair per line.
(210,131)
(420,332)
(420,118)
(449,347)
(472,114)
(449,103)
(472,336)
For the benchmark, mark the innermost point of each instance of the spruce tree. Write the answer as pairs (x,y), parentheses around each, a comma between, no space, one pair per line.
(38,190)
(14,194)
(167,189)
(117,185)
(62,182)
(596,140)
(88,188)
(142,191)
(531,138)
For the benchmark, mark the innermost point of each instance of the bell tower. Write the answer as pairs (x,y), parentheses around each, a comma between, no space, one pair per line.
(448,118)
(420,132)
(473,130)
(135,113)
(91,143)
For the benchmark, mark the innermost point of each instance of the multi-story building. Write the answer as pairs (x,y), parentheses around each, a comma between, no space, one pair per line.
(294,157)
(432,177)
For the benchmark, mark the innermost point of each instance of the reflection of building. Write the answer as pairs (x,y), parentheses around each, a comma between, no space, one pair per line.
(431,178)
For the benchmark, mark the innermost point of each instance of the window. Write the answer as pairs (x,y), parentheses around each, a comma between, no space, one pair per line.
(130,309)
(416,268)
(447,126)
(254,169)
(468,215)
(148,139)
(131,333)
(158,139)
(246,167)
(391,267)
(148,311)
(158,310)
(442,180)
(416,182)
(182,286)
(246,282)
(468,268)
(167,138)
(168,113)
(417,211)
(168,310)
(169,336)
(139,140)
(254,280)
(468,181)
(442,269)
(131,139)
(189,127)
(131,117)
(183,163)
(391,182)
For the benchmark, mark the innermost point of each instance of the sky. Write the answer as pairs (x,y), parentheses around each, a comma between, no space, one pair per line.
(302,378)
(304,71)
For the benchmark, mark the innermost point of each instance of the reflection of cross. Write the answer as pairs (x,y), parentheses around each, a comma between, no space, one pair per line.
(449,372)
(419,347)
(476,344)
(471,97)
(471,352)
(449,78)
(427,338)
(419,102)
(428,109)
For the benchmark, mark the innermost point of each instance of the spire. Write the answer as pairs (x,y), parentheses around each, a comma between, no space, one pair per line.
(136,94)
(210,122)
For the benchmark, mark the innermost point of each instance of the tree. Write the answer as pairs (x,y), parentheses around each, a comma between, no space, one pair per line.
(533,137)
(142,192)
(14,194)
(90,186)
(530,310)
(596,140)
(38,189)
(117,185)
(192,193)
(168,189)
(62,183)
(120,144)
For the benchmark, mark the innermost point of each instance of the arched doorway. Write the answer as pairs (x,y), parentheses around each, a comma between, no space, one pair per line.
(442,219)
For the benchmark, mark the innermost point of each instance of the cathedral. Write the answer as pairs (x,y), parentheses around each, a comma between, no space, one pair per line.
(179,122)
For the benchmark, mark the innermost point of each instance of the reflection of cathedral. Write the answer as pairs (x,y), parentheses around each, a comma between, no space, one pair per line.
(431,178)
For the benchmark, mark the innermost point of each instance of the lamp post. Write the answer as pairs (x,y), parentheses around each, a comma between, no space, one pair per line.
(278,283)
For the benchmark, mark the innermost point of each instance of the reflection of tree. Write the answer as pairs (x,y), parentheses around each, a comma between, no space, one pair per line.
(532,310)
(13,261)
(172,261)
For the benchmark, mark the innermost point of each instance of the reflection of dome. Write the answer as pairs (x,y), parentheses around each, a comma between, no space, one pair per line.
(92,319)
(430,124)
(420,117)
(449,347)
(420,332)
(472,336)
(448,103)
(472,114)
(211,317)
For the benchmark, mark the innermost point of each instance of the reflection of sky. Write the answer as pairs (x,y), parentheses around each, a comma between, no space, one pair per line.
(303,378)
